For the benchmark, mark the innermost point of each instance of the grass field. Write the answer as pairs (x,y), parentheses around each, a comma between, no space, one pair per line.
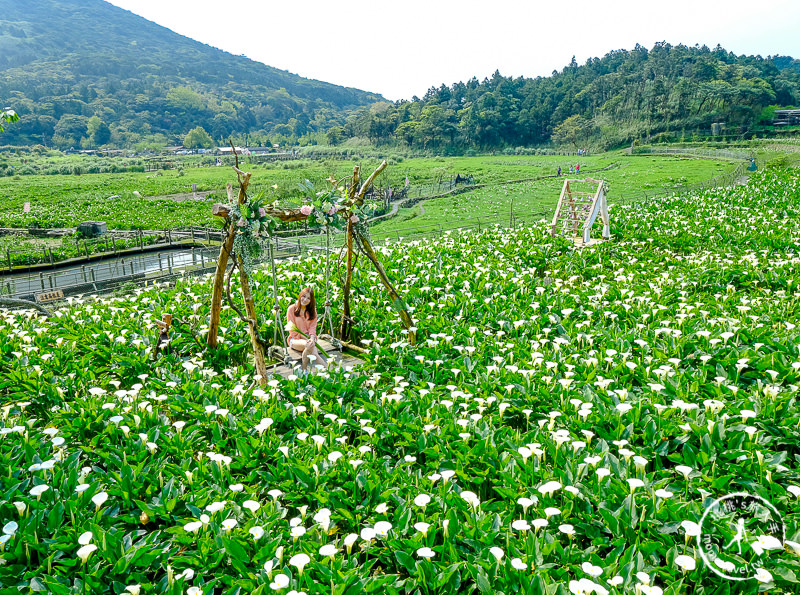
(65,200)
(628,175)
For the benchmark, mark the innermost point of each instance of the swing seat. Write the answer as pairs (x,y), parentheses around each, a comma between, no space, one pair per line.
(338,358)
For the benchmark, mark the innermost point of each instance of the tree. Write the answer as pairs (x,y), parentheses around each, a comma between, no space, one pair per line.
(99,132)
(408,131)
(335,135)
(197,138)
(71,128)
(184,99)
(571,131)
(222,125)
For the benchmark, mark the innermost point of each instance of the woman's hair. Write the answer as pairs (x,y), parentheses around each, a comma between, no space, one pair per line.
(311,309)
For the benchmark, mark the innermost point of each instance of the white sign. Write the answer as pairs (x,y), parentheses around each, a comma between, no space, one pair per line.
(737,534)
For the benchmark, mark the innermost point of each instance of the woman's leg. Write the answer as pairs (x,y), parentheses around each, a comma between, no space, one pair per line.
(311,349)
(300,345)
(320,361)
(297,344)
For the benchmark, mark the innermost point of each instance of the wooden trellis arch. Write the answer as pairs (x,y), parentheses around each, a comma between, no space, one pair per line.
(354,238)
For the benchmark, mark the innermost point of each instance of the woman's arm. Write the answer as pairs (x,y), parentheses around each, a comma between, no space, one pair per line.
(312,327)
(290,318)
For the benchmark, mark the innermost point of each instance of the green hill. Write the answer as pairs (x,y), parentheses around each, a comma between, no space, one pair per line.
(86,72)
(668,92)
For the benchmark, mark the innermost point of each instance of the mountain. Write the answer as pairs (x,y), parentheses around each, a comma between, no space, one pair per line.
(667,92)
(87,72)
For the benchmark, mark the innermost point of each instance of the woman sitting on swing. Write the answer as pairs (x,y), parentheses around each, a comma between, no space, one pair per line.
(303,315)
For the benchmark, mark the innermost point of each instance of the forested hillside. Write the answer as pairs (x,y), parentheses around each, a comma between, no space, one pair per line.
(86,72)
(626,95)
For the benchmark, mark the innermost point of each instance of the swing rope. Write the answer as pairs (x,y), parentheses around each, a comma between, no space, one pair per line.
(327,317)
(276,309)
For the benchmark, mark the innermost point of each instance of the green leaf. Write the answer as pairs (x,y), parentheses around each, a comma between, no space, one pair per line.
(786,574)
(406,561)
(235,549)
(690,455)
(56,587)
(722,482)
(483,582)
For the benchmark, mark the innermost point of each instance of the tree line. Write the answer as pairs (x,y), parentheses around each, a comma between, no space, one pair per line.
(668,91)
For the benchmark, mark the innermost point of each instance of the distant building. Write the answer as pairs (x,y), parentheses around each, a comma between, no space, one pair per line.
(786,117)
(243,150)
(228,150)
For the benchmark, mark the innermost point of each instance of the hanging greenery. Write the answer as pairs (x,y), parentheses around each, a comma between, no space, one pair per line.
(330,207)
(253,229)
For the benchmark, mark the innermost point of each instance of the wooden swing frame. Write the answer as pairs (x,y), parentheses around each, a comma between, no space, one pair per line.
(354,237)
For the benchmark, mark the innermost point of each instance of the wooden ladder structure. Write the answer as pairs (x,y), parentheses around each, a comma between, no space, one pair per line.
(577,212)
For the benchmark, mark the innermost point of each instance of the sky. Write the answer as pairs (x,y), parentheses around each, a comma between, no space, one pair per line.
(401,49)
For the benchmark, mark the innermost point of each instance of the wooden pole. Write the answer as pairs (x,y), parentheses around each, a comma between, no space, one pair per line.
(222,264)
(344,327)
(252,325)
(396,299)
(356,198)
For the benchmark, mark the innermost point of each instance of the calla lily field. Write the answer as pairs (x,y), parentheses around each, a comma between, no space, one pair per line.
(561,424)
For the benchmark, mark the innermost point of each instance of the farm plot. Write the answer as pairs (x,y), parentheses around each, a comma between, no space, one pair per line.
(628,176)
(66,200)
(561,425)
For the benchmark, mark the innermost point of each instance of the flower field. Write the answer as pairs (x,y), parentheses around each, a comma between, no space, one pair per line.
(560,426)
